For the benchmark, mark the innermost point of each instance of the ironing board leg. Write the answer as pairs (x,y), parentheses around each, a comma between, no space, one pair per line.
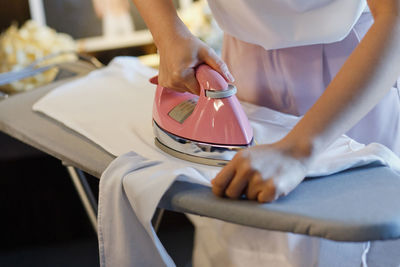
(89,202)
(157,217)
(85,193)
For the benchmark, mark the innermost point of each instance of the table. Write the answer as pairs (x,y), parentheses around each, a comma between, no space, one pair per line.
(356,205)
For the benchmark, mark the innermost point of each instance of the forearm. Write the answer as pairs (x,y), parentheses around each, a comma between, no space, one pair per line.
(162,20)
(364,79)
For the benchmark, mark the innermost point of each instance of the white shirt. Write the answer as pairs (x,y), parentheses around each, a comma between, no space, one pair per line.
(113,108)
(275,24)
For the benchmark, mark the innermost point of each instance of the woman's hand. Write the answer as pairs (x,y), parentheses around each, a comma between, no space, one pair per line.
(180,51)
(262,173)
(179,57)
(268,171)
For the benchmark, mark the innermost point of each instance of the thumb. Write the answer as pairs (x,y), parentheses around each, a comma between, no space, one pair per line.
(214,61)
(191,83)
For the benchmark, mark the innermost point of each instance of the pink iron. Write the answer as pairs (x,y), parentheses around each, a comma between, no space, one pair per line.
(207,129)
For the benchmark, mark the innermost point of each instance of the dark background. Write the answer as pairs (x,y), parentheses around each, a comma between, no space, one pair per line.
(43,222)
(13,11)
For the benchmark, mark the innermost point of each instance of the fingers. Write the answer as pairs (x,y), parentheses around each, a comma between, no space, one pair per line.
(177,70)
(236,187)
(214,61)
(255,186)
(263,173)
(267,194)
(226,176)
(233,184)
(238,178)
(223,178)
(191,82)
(181,81)
(262,190)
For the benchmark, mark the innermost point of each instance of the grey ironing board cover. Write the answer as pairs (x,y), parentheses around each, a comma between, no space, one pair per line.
(356,205)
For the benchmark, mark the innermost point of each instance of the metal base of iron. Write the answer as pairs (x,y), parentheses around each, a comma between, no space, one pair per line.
(194,151)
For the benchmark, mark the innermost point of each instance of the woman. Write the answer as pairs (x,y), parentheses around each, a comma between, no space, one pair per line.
(298,57)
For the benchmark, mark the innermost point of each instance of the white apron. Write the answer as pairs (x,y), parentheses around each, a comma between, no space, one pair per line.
(275,24)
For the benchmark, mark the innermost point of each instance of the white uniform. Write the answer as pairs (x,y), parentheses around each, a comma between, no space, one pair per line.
(276,24)
(283,54)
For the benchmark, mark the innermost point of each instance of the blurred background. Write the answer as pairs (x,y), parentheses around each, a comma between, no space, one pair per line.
(43,221)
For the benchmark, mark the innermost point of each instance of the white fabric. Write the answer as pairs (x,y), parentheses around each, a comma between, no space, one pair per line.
(275,24)
(219,243)
(112,107)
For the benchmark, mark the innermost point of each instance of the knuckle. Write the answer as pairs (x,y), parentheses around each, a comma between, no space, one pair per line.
(256,180)
(251,191)
(187,74)
(162,81)
(250,196)
(264,197)
(246,167)
(208,52)
(216,191)
(230,194)
(244,164)
(177,75)
(269,191)
(221,64)
(167,84)
(241,155)
(218,184)
(270,185)
(175,84)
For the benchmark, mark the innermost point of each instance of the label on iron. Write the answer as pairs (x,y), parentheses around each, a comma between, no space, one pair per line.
(183,110)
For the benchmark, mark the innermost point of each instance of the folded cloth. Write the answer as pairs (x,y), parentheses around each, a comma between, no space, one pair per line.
(113,108)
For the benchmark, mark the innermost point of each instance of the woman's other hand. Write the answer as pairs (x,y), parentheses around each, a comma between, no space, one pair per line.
(262,173)
(269,171)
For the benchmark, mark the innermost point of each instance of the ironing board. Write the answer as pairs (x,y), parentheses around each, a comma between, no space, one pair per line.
(356,205)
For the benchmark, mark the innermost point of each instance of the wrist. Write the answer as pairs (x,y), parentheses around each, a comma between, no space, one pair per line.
(302,149)
(170,33)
